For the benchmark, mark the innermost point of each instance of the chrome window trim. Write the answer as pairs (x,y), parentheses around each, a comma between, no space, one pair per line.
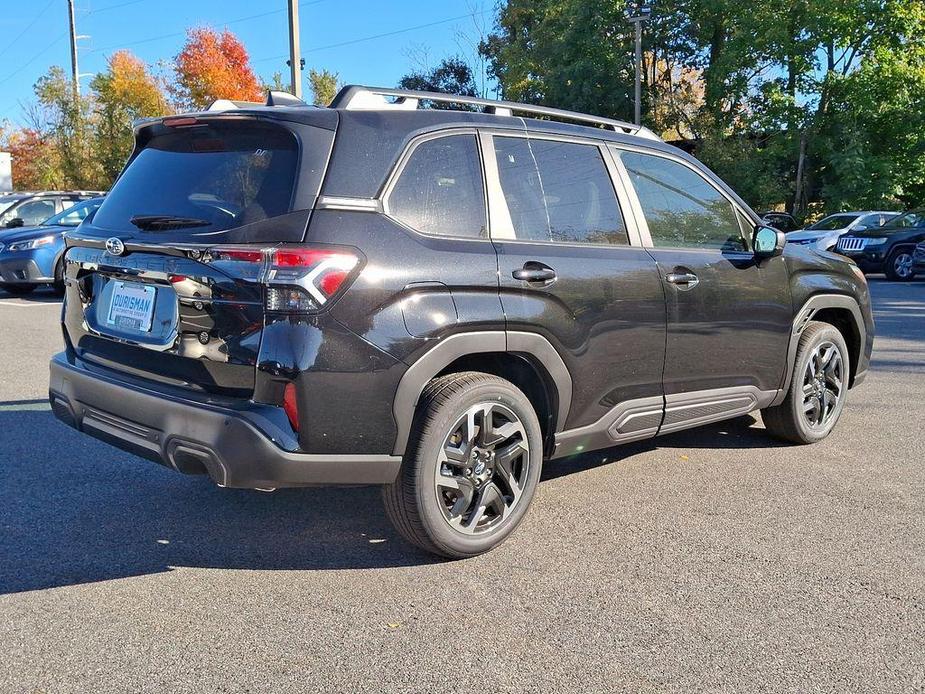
(637,206)
(499,215)
(392,180)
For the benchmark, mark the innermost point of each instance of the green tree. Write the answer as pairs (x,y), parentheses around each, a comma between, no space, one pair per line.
(67,121)
(451,76)
(324,85)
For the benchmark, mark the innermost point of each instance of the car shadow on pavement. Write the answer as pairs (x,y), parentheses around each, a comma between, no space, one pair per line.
(74,510)
(42,295)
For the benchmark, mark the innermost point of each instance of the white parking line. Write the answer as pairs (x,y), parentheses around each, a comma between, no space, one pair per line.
(22,303)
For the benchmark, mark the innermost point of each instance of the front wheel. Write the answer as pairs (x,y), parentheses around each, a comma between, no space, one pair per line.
(471,468)
(899,266)
(818,388)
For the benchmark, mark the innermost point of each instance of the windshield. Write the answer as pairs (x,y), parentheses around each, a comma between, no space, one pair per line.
(833,222)
(906,221)
(73,216)
(204,179)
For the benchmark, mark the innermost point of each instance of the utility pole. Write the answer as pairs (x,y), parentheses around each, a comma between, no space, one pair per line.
(295,61)
(75,75)
(639,12)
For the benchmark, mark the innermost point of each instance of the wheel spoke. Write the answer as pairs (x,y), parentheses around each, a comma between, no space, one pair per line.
(464,499)
(828,405)
(504,466)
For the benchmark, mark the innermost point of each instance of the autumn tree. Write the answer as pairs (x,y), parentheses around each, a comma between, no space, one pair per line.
(34,159)
(324,86)
(125,92)
(212,66)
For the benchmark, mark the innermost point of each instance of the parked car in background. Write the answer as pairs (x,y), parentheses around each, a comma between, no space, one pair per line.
(780,220)
(918,259)
(888,249)
(824,234)
(28,209)
(32,256)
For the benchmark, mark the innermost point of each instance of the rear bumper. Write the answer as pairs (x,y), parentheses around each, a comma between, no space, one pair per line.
(235,447)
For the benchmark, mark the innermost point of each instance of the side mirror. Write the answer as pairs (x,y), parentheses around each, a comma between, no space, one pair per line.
(768,242)
(15,222)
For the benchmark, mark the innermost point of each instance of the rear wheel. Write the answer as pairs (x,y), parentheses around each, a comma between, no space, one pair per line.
(818,388)
(472,466)
(18,289)
(899,265)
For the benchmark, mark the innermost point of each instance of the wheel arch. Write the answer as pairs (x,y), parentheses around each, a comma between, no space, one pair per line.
(528,360)
(841,311)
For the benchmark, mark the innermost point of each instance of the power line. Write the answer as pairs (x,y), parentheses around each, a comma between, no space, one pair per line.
(114,7)
(183,33)
(31,24)
(383,35)
(33,58)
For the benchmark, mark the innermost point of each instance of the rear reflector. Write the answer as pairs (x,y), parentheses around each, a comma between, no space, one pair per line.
(291,406)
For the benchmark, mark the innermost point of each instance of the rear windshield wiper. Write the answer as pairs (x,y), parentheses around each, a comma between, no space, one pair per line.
(161,222)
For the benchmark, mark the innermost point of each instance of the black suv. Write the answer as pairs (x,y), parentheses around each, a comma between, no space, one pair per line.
(889,248)
(436,301)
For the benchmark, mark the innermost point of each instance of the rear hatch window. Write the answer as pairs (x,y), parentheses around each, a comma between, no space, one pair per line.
(205,181)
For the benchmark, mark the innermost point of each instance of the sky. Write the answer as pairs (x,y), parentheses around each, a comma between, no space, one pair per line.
(372,42)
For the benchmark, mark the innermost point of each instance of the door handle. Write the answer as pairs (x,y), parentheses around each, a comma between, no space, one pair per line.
(684,280)
(533,271)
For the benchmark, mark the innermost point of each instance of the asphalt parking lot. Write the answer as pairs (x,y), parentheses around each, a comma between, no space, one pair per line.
(711,560)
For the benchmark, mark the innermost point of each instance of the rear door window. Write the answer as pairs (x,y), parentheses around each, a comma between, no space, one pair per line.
(440,190)
(205,179)
(558,192)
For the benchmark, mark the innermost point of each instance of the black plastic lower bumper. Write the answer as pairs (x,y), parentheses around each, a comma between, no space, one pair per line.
(22,271)
(235,447)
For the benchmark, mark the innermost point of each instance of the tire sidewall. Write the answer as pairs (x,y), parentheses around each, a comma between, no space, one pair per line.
(828,334)
(425,460)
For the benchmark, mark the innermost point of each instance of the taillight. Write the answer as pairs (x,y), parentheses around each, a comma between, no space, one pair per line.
(305,279)
(298,279)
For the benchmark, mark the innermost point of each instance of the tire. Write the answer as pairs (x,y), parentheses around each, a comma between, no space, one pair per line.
(449,520)
(791,420)
(58,284)
(18,289)
(898,266)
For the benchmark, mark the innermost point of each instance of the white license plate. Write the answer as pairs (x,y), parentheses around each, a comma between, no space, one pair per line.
(132,306)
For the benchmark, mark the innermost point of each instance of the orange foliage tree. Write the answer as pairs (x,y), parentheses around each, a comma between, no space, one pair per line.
(35,160)
(213,66)
(124,92)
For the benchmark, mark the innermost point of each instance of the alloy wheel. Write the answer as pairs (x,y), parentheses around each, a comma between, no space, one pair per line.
(482,468)
(823,383)
(902,265)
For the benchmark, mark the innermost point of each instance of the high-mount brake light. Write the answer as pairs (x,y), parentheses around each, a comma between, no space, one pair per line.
(179,122)
(298,279)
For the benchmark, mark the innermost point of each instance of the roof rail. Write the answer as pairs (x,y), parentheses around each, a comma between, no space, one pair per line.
(358,98)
